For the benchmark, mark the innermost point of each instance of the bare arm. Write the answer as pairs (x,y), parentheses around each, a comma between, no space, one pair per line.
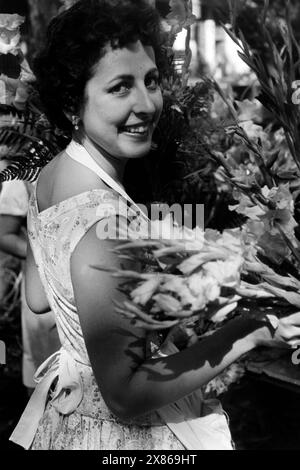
(12,238)
(130,383)
(13,241)
(34,290)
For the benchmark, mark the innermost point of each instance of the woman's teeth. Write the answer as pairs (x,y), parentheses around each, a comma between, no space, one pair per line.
(136,130)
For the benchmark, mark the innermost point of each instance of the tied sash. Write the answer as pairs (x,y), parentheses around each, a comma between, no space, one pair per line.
(68,394)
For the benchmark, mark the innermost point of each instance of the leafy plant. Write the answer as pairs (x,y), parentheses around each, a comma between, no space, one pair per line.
(277,77)
(261,166)
(27,140)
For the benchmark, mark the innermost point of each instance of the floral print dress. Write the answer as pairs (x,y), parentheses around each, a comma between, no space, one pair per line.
(67,410)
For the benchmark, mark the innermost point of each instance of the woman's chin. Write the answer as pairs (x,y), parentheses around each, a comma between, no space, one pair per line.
(139,152)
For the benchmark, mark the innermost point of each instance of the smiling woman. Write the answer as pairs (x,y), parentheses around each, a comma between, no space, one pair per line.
(79,40)
(105,388)
(122,109)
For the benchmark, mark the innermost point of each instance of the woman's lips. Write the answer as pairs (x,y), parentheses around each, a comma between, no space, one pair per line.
(138,130)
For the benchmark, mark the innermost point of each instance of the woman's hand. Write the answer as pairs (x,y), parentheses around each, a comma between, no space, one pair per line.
(181,336)
(283,333)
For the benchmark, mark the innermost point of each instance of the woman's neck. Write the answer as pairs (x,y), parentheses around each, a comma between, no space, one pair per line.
(113,166)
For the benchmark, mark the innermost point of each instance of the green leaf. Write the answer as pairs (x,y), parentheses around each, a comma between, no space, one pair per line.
(292,297)
(231,35)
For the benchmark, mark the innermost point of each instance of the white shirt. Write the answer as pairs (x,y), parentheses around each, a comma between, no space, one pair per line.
(14,198)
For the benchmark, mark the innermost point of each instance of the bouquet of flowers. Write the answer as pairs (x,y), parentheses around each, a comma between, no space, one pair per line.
(197,280)
(195,277)
(193,274)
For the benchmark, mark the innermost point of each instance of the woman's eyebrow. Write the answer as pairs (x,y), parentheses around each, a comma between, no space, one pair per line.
(121,77)
(130,77)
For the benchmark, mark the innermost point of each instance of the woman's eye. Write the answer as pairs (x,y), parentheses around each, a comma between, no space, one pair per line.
(152,83)
(120,89)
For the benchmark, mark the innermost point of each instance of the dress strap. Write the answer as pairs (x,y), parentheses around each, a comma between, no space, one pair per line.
(79,153)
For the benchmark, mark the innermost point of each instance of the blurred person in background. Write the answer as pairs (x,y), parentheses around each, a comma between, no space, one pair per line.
(39,332)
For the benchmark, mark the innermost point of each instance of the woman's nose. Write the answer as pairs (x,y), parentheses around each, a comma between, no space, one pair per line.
(144,103)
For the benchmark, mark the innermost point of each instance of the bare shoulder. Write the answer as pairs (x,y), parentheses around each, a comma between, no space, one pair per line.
(63,178)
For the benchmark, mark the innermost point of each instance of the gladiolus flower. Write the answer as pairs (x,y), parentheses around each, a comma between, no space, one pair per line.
(226,273)
(167,303)
(145,291)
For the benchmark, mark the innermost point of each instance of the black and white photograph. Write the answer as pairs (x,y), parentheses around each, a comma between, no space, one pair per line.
(149,228)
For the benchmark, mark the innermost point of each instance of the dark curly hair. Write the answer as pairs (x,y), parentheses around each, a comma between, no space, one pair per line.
(76,41)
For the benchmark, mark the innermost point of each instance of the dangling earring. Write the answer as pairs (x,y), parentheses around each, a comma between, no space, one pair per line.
(75,122)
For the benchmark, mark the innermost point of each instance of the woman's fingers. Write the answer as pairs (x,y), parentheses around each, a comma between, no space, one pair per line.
(288,332)
(293,319)
(294,344)
(290,335)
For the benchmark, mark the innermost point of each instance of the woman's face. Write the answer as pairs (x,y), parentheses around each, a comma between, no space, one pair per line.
(123,101)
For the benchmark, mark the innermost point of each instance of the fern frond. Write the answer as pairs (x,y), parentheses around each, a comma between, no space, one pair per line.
(27,165)
(11,138)
(6,109)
